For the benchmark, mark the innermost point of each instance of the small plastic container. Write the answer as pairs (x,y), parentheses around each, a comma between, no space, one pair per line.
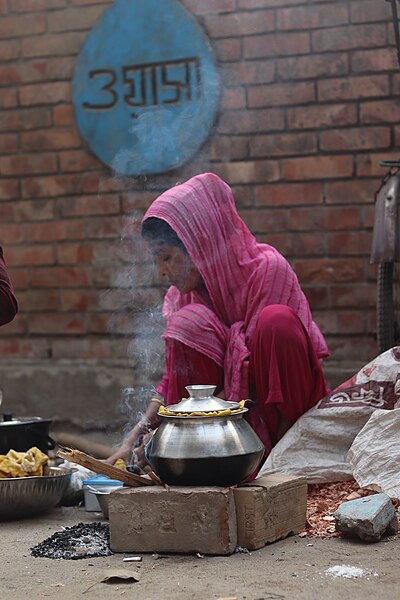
(101,483)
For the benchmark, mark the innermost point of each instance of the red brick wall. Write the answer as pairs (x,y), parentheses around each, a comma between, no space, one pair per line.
(310,104)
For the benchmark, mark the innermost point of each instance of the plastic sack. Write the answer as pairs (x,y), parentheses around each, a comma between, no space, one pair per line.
(317,445)
(74,492)
(375,453)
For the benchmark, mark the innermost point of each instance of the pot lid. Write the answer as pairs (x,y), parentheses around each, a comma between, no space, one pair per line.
(201,399)
(7,420)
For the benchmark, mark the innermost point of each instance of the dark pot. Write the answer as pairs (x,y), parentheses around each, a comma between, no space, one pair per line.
(21,434)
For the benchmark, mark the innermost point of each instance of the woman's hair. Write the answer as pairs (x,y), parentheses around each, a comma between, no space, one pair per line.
(158,231)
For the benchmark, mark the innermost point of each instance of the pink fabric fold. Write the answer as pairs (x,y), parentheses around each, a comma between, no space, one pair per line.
(241,277)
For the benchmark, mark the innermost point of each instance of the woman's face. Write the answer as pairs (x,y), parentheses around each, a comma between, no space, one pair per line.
(177,266)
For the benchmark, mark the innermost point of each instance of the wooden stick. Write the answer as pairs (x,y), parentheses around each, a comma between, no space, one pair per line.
(80,458)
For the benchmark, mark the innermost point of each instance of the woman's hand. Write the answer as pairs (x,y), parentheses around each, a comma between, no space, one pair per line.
(139,455)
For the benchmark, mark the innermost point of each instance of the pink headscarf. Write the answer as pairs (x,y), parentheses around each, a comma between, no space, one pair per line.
(241,277)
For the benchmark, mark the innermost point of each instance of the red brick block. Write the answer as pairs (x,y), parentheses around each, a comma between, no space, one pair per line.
(85,348)
(348,322)
(21,26)
(19,277)
(38,210)
(17,327)
(250,121)
(75,253)
(313,66)
(317,167)
(368,10)
(23,6)
(77,206)
(224,148)
(53,324)
(60,277)
(79,300)
(24,348)
(38,300)
(329,270)
(204,7)
(55,231)
(280,94)
(248,172)
(77,161)
(350,296)
(73,19)
(317,296)
(288,194)
(63,116)
(9,74)
(49,187)
(49,69)
(9,189)
(362,138)
(9,50)
(8,143)
(8,98)
(11,234)
(382,111)
(367,165)
(104,228)
(245,23)
(21,256)
(285,144)
(354,191)
(28,164)
(377,60)
(322,116)
(313,17)
(265,220)
(276,44)
(350,88)
(135,200)
(60,44)
(50,139)
(233,98)
(3,7)
(228,49)
(24,119)
(45,93)
(184,519)
(309,244)
(249,72)
(357,243)
(349,37)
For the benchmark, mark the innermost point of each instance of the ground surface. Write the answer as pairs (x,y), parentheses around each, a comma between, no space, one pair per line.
(294,568)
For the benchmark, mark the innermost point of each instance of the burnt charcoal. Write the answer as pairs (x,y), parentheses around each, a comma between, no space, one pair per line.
(84,540)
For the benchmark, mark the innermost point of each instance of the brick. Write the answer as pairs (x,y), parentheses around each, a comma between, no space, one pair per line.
(17,327)
(58,277)
(228,49)
(276,44)
(74,253)
(346,322)
(269,509)
(317,167)
(39,210)
(28,164)
(9,50)
(249,121)
(350,296)
(245,23)
(361,138)
(313,66)
(368,10)
(45,93)
(50,139)
(316,296)
(355,243)
(77,161)
(24,348)
(248,172)
(20,26)
(23,6)
(313,17)
(266,3)
(53,231)
(21,256)
(350,88)
(329,270)
(377,60)
(322,116)
(60,44)
(9,189)
(53,324)
(181,519)
(280,94)
(19,277)
(107,204)
(9,74)
(3,7)
(309,244)
(74,19)
(291,194)
(281,241)
(367,165)
(264,220)
(47,187)
(349,38)
(249,72)
(283,145)
(382,111)
(203,7)
(104,228)
(8,143)
(8,98)
(224,148)
(135,200)
(85,348)
(324,218)
(24,119)
(355,191)
(11,234)
(31,71)
(233,98)
(79,300)
(39,300)
(63,116)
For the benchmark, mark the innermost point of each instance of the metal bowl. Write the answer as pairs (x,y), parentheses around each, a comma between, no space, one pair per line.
(22,497)
(103,496)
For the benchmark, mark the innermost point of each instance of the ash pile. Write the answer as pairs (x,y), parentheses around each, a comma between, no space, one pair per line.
(84,540)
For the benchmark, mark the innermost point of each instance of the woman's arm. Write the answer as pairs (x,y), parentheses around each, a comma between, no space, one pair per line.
(147,423)
(8,302)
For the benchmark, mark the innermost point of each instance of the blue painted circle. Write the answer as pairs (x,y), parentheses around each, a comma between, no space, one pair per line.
(145,87)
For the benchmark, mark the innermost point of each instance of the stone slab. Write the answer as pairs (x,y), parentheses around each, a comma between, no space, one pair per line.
(179,519)
(270,508)
(367,518)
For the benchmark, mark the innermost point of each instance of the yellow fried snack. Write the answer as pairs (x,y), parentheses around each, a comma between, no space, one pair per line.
(23,464)
(120,464)
(215,413)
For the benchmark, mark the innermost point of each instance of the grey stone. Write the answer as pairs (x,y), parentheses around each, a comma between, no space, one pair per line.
(367,518)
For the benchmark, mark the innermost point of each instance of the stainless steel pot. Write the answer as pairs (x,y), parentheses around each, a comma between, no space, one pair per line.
(204,450)
(23,433)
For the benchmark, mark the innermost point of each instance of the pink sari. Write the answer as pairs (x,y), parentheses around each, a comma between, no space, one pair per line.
(241,277)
